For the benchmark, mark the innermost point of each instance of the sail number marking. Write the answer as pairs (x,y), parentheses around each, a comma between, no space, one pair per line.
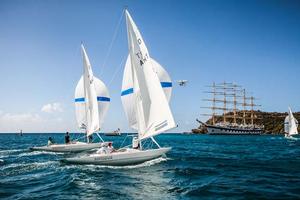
(103,158)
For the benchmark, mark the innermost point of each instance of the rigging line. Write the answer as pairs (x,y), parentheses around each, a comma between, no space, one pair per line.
(112,41)
(124,140)
(117,71)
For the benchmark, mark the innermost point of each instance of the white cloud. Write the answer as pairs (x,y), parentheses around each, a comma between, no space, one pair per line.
(13,122)
(35,123)
(23,117)
(51,108)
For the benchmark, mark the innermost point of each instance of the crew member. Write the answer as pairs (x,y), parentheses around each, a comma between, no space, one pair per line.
(135,143)
(110,148)
(67,138)
(90,140)
(50,141)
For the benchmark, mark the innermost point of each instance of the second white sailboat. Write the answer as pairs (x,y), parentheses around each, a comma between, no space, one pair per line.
(91,103)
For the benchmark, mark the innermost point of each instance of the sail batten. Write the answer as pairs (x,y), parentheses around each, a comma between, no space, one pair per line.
(144,94)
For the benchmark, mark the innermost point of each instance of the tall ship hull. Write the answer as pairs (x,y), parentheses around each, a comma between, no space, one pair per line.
(219,130)
(230,130)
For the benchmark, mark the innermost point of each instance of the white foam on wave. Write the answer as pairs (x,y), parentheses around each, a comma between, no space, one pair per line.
(25,166)
(32,153)
(292,138)
(9,151)
(86,183)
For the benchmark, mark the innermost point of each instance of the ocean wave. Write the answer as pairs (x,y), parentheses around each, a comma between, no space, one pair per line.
(10,151)
(86,183)
(33,153)
(18,168)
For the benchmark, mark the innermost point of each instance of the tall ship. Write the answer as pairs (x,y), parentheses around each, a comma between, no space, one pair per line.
(231,103)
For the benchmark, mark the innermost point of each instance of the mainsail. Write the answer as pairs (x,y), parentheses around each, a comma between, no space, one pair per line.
(147,110)
(91,99)
(290,124)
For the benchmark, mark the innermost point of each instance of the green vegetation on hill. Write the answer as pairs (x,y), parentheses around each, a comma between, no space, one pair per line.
(272,121)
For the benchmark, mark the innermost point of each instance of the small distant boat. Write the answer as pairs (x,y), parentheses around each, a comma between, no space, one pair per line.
(114,133)
(290,125)
(91,103)
(145,102)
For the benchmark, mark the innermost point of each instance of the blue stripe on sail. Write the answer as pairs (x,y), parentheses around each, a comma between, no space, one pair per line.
(98,99)
(79,99)
(128,91)
(103,99)
(166,84)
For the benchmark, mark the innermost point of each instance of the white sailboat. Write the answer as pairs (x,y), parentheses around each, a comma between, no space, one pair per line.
(290,125)
(145,93)
(91,103)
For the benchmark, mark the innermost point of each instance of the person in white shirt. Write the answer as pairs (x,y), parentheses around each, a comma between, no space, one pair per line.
(135,143)
(110,148)
(106,149)
(50,141)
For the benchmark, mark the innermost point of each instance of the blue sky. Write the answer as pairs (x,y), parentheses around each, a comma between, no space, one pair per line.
(253,43)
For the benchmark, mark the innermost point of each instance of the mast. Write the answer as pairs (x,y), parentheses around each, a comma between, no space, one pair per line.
(214,104)
(235,102)
(252,105)
(244,106)
(224,111)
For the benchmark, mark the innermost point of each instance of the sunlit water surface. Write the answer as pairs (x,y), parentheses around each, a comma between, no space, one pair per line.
(198,166)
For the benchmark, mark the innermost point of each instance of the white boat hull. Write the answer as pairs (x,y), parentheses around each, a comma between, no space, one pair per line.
(73,147)
(119,158)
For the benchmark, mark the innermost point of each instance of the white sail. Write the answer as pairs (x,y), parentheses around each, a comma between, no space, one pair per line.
(286,124)
(127,96)
(293,124)
(103,100)
(91,99)
(153,114)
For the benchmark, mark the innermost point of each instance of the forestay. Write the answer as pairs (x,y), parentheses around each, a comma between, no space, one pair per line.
(91,99)
(149,103)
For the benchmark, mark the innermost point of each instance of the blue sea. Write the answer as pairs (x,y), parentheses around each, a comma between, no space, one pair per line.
(198,167)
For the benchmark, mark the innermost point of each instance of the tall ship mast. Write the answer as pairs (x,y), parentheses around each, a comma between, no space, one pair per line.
(230,102)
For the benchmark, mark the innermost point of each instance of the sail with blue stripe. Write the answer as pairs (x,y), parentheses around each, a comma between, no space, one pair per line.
(91,99)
